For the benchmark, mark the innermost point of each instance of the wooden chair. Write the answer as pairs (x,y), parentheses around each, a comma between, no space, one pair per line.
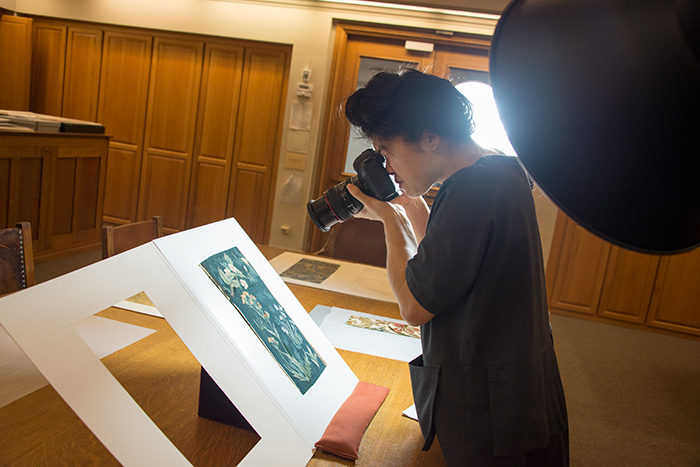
(16,258)
(358,240)
(118,239)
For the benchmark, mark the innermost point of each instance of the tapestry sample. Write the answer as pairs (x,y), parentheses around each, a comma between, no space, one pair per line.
(310,270)
(391,327)
(236,278)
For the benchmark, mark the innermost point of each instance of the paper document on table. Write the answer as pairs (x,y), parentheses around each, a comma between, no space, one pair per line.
(337,276)
(19,377)
(411,412)
(393,341)
(140,303)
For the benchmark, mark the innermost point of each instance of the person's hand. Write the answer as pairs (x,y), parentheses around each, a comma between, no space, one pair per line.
(417,211)
(374,209)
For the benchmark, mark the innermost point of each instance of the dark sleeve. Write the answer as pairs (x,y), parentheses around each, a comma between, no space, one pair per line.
(458,235)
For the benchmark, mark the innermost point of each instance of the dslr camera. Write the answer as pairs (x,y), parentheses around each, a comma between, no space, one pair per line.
(338,205)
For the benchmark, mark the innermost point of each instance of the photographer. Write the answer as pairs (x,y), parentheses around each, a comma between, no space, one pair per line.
(470,272)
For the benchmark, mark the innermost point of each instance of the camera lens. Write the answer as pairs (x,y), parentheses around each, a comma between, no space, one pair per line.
(336,205)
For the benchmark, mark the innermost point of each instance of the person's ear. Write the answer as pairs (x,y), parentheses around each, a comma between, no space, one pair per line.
(429,141)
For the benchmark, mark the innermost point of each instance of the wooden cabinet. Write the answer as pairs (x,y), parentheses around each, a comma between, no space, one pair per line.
(589,277)
(15,62)
(580,268)
(82,74)
(56,182)
(170,130)
(48,66)
(251,191)
(123,97)
(217,117)
(195,121)
(675,304)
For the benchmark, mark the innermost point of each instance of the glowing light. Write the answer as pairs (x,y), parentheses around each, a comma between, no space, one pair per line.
(489,131)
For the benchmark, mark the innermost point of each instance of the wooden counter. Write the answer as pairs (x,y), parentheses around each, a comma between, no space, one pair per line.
(56,182)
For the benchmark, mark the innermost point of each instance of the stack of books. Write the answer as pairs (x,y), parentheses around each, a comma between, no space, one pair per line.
(14,120)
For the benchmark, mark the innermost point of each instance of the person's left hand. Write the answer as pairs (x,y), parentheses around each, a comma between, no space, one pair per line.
(374,209)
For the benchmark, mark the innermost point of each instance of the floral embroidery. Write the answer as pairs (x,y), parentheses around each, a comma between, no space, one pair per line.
(236,278)
(384,326)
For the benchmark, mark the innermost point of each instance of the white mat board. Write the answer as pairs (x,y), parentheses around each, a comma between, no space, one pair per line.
(311,412)
(40,320)
(19,377)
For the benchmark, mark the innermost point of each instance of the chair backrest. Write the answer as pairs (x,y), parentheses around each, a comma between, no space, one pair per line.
(16,258)
(358,240)
(118,239)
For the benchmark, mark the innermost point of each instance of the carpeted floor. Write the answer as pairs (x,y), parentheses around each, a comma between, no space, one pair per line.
(633,396)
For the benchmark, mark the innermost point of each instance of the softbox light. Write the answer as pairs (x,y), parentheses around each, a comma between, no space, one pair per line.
(601,101)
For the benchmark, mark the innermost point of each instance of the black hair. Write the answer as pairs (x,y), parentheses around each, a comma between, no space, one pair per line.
(408,103)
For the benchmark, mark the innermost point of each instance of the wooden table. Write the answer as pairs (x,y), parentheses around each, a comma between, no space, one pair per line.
(163,377)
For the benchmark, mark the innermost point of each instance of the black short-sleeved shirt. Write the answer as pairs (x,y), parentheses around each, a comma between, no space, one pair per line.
(479,268)
(488,350)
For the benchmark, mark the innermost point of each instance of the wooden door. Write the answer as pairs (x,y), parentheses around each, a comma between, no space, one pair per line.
(576,268)
(362,57)
(258,136)
(463,63)
(15,62)
(675,303)
(48,65)
(170,128)
(361,51)
(126,64)
(216,127)
(82,74)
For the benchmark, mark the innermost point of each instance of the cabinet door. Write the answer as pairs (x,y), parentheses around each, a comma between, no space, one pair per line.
(15,62)
(82,79)
(170,127)
(48,65)
(675,303)
(258,135)
(126,64)
(577,269)
(629,281)
(216,126)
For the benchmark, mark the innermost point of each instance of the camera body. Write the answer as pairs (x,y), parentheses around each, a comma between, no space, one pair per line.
(338,205)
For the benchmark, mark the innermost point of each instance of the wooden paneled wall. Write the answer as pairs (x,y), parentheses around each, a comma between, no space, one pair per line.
(591,278)
(195,121)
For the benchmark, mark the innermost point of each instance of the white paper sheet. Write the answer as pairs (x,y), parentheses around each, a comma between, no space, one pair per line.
(350,278)
(138,308)
(411,412)
(381,344)
(19,377)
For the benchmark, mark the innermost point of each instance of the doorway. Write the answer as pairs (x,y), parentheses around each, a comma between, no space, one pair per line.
(363,50)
